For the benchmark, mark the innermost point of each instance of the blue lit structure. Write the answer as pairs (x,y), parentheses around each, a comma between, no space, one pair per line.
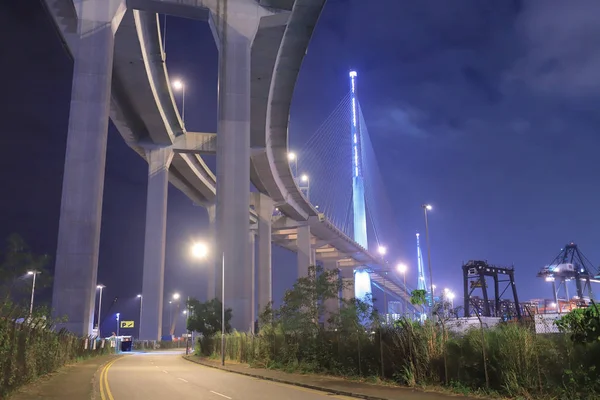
(421,285)
(358,186)
(362,279)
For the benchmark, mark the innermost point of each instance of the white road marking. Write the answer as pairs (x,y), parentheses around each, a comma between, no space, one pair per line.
(219,394)
(166,372)
(181,379)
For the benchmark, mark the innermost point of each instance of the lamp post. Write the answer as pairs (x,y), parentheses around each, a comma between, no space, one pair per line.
(118,316)
(382,250)
(293,159)
(200,250)
(428,207)
(34,272)
(139,296)
(402,269)
(223,309)
(179,85)
(176,297)
(100,309)
(306,181)
(170,314)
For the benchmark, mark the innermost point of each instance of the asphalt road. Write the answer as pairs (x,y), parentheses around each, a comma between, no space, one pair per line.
(166,375)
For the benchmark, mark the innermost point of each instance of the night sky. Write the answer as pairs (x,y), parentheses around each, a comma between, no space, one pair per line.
(484,109)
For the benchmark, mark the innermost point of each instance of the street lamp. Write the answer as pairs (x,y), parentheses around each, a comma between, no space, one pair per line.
(402,268)
(34,272)
(100,308)
(382,250)
(293,159)
(428,207)
(176,296)
(179,85)
(306,180)
(199,250)
(451,297)
(118,316)
(139,296)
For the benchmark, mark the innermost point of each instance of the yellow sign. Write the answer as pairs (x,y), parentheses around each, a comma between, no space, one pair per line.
(126,324)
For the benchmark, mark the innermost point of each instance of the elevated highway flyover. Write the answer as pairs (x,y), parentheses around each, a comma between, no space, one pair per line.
(140,102)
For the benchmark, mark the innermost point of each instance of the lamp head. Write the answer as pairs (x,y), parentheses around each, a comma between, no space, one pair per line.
(199,250)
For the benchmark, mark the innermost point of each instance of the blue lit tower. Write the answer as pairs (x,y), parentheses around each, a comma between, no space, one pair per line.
(421,285)
(362,279)
(358,185)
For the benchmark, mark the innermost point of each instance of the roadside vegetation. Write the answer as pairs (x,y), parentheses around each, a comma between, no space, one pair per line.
(29,348)
(510,360)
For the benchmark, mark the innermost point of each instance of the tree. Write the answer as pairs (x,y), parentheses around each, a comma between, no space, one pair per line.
(582,323)
(306,303)
(17,259)
(418,297)
(205,318)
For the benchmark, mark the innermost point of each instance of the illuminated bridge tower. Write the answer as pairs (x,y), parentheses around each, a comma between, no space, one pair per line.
(362,279)
(421,285)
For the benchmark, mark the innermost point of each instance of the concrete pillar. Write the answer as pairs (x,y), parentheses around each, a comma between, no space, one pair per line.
(236,26)
(264,207)
(252,266)
(348,280)
(85,157)
(313,256)
(153,281)
(304,250)
(213,268)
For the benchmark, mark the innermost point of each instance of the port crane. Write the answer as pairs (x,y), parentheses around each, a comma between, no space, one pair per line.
(570,265)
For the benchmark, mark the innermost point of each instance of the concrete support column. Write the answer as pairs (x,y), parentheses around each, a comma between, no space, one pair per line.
(252,266)
(83,180)
(348,280)
(304,250)
(313,256)
(264,207)
(236,30)
(213,269)
(153,281)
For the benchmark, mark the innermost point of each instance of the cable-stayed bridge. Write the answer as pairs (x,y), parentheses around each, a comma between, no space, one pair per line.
(335,215)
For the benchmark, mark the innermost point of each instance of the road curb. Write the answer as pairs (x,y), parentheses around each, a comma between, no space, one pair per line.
(287,382)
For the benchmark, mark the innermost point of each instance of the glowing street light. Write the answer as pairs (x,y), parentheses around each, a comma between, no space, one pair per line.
(402,268)
(450,296)
(382,250)
(139,296)
(100,308)
(35,273)
(176,296)
(306,181)
(199,250)
(179,85)
(291,156)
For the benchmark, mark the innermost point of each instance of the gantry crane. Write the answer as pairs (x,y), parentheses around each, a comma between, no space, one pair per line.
(474,277)
(570,264)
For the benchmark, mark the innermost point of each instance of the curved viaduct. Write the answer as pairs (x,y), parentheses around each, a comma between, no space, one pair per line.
(260,54)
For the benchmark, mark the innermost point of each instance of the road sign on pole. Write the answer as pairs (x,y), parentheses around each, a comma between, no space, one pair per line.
(127,324)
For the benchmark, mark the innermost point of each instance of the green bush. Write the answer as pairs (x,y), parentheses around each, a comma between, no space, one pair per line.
(519,362)
(510,359)
(29,350)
